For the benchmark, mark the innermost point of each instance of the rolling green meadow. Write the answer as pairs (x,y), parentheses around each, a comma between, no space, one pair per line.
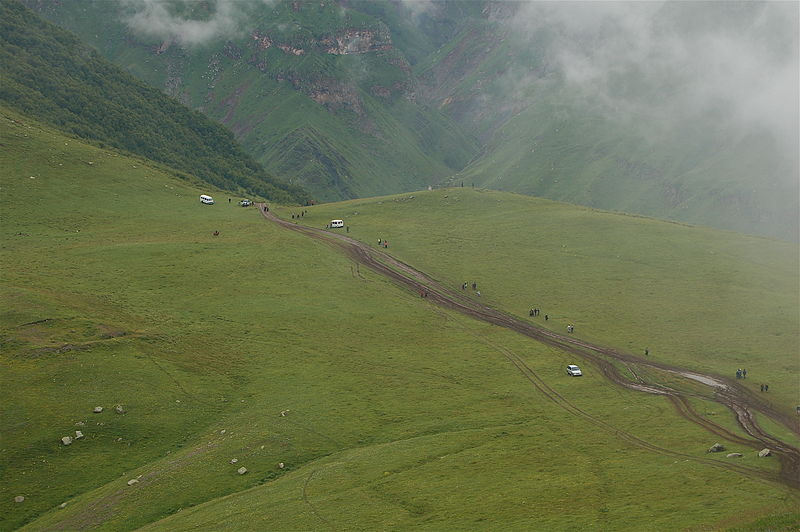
(385,411)
(700,298)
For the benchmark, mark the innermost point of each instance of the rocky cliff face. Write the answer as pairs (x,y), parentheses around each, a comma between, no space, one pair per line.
(353,41)
(348,41)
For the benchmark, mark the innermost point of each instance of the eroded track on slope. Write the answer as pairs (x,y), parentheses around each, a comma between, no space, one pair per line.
(727,392)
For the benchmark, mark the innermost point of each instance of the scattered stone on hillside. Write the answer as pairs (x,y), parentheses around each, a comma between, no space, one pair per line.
(764,452)
(281,465)
(133,481)
(242,470)
(234,460)
(716,448)
(66,440)
(223,431)
(80,424)
(262,447)
(733,455)
(119,439)
(119,409)
(283,412)
(62,505)
(97,409)
(78,435)
(19,498)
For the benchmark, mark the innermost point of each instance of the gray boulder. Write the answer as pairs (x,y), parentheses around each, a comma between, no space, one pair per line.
(242,470)
(78,435)
(133,481)
(764,452)
(119,409)
(19,498)
(66,440)
(733,455)
(716,448)
(97,409)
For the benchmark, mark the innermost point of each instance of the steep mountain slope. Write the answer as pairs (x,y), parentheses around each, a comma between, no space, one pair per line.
(317,93)
(50,74)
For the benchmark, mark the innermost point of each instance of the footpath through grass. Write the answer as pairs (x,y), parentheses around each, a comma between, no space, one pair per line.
(711,300)
(266,347)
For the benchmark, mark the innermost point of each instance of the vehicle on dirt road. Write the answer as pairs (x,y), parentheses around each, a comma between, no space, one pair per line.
(573,370)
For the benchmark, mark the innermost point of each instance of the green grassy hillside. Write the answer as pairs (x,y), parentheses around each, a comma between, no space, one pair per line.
(48,73)
(712,300)
(266,347)
(571,154)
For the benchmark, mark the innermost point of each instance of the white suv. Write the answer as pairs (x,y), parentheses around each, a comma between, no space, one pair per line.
(574,370)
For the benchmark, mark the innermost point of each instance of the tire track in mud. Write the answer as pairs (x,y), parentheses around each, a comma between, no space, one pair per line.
(727,392)
(564,403)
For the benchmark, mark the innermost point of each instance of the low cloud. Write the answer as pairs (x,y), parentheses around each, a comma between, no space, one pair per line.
(188,22)
(672,61)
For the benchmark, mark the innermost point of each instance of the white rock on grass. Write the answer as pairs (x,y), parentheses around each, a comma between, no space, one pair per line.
(764,452)
(133,481)
(733,455)
(19,498)
(281,465)
(234,460)
(97,409)
(119,409)
(78,435)
(62,505)
(66,440)
(242,470)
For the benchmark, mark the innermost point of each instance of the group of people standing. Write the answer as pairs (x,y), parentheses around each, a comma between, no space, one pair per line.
(741,373)
(535,312)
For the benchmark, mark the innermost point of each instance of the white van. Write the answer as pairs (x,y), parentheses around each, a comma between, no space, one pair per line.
(208,200)
(337,223)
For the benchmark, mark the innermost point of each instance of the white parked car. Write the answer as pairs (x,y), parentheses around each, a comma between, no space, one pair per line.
(574,370)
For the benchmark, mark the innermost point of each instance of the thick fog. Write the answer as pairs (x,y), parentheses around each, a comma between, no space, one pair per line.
(668,61)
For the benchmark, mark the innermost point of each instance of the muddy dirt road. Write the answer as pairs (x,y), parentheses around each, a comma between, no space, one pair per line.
(724,391)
